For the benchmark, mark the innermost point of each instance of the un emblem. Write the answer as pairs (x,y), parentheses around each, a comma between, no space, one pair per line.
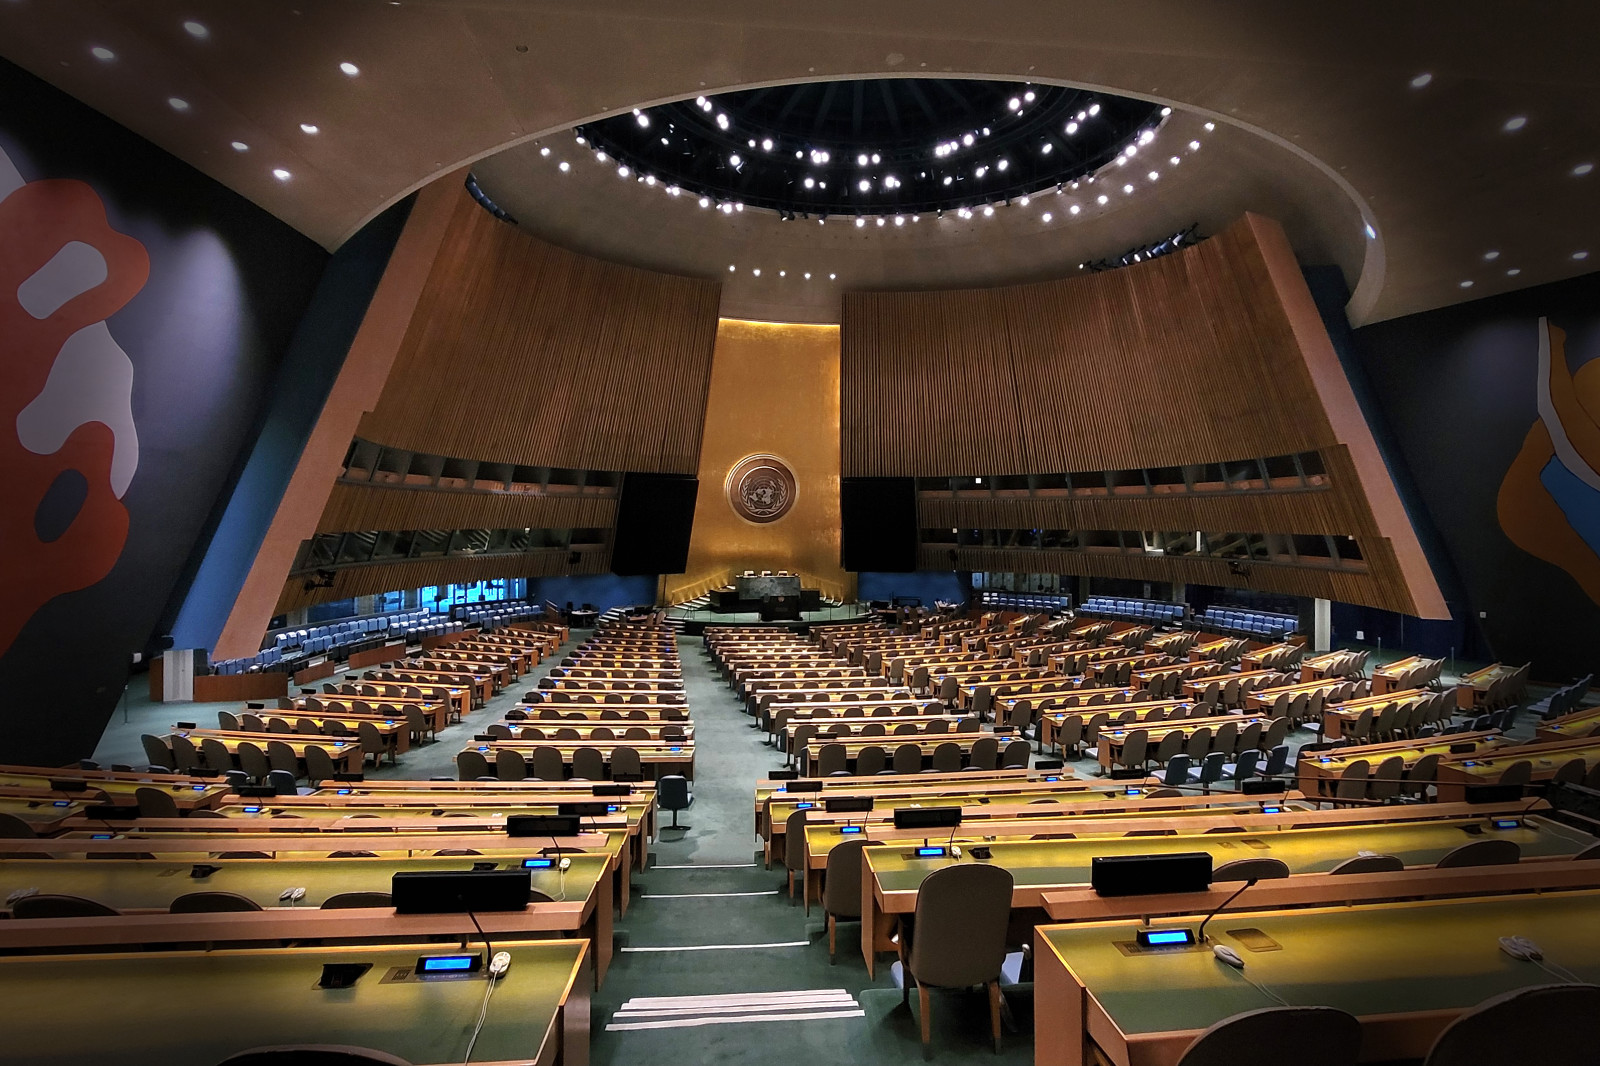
(760,488)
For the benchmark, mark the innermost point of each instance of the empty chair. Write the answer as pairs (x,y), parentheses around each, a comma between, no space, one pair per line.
(509,765)
(1210,770)
(841,888)
(1176,771)
(1250,870)
(947,757)
(1244,768)
(1538,1024)
(548,765)
(282,757)
(1387,779)
(908,759)
(985,753)
(1319,1036)
(1481,853)
(588,764)
(499,731)
(1171,744)
(1571,771)
(1199,743)
(319,764)
(373,744)
(253,761)
(625,763)
(156,752)
(420,724)
(155,803)
(1016,755)
(252,723)
(185,756)
(53,906)
(1277,761)
(1518,773)
(471,765)
(1352,783)
(211,902)
(14,828)
(282,782)
(215,754)
(672,794)
(353,900)
(307,727)
(1369,864)
(794,849)
(228,720)
(1135,747)
(831,759)
(958,937)
(871,760)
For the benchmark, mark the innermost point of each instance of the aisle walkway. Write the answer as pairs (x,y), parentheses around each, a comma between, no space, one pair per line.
(709,921)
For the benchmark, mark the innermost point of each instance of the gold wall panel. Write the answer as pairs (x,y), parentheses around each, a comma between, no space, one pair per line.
(774,390)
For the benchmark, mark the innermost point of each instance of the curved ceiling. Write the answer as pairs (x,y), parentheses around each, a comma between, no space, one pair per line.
(1466,134)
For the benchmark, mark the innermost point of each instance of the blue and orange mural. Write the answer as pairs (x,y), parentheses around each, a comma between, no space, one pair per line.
(1549,502)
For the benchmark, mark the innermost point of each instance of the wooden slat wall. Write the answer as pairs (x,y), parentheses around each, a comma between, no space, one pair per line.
(384,577)
(1190,358)
(358,508)
(1187,358)
(523,352)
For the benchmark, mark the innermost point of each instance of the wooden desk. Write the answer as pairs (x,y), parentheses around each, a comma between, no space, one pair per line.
(1263,698)
(1438,959)
(1582,723)
(342,750)
(1386,679)
(1253,659)
(1457,773)
(524,730)
(459,697)
(169,1007)
(853,745)
(891,875)
(1053,721)
(923,724)
(189,793)
(343,705)
(146,888)
(656,758)
(1338,718)
(1474,686)
(1318,773)
(1196,687)
(1111,740)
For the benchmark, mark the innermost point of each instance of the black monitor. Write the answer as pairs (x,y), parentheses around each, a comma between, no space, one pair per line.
(583,810)
(542,825)
(1148,875)
(803,786)
(848,803)
(927,817)
(458,891)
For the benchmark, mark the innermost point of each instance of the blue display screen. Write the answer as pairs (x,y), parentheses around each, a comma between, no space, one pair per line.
(1272,810)
(447,963)
(851,829)
(537,864)
(62,803)
(343,791)
(1135,792)
(252,810)
(1052,779)
(612,808)
(198,788)
(1166,937)
(929,853)
(1506,823)
(804,806)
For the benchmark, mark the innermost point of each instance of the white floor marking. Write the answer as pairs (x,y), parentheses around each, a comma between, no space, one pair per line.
(699,866)
(726,947)
(706,895)
(732,999)
(685,1023)
(682,1012)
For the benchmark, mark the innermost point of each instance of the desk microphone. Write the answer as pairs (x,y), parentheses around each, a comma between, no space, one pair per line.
(1200,934)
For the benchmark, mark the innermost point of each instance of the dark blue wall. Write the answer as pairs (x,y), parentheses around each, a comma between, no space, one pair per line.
(227,285)
(1456,388)
(605,591)
(926,585)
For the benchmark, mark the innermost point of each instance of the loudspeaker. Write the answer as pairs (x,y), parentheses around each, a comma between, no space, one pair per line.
(878,520)
(654,518)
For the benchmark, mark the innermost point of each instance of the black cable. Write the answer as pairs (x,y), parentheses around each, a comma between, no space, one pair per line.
(1200,935)
(488,946)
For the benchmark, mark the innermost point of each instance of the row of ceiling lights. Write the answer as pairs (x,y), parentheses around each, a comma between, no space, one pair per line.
(1145,140)
(1513,124)
(200,32)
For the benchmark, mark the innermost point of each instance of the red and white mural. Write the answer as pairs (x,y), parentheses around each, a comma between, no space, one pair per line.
(66,391)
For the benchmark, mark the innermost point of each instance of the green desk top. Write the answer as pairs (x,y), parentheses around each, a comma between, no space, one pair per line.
(1543,765)
(1335,761)
(183,1008)
(153,884)
(1391,958)
(1044,863)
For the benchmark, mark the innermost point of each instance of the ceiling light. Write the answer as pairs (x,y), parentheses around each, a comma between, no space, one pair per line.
(1025,201)
(756,272)
(705,202)
(1513,272)
(1580,255)
(240,146)
(1210,126)
(1515,123)
(948,179)
(967,140)
(1165,111)
(622,171)
(734,160)
(899,220)
(1194,146)
(1489,257)
(177,103)
(783,273)
(1072,128)
(751,142)
(196,30)
(1127,188)
(545,151)
(281,174)
(102,53)
(1421,80)
(1003,164)
(738,207)
(1094,109)
(1153,176)
(350,68)
(875,157)
(1046,216)
(1467,284)
(700,101)
(766,144)
(831,277)
(564,166)
(880,220)
(1174,160)
(811,183)
(650,179)
(1014,104)
(1028,96)
(988,210)
(599,156)
(1047,147)
(730,268)
(642,119)
(860,222)
(864,185)
(1102,198)
(580,140)
(1581,169)
(1146,137)
(722,121)
(307,127)
(808,275)
(861,160)
(1074,209)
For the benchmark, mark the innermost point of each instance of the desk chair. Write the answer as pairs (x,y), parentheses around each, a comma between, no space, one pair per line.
(841,891)
(1481,853)
(672,794)
(985,753)
(253,761)
(1369,864)
(1251,870)
(509,765)
(313,1055)
(53,906)
(155,803)
(625,761)
(548,764)
(471,765)
(157,753)
(957,937)
(1543,1023)
(14,828)
(319,764)
(212,902)
(1320,1036)
(1016,755)
(871,760)
(588,764)
(794,850)
(282,757)
(354,900)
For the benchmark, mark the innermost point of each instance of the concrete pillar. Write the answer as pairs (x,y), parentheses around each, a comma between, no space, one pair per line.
(1321,625)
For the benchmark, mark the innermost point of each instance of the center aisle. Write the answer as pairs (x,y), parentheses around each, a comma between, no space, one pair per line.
(709,921)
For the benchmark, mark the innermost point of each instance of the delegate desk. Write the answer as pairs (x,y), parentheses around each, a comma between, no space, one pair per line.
(368,688)
(393,728)
(656,758)
(1584,723)
(925,743)
(340,706)
(1405,970)
(345,750)
(1264,698)
(1386,678)
(169,1007)
(1457,773)
(544,728)
(604,712)
(580,902)
(1318,773)
(1338,718)
(892,874)
(1475,686)
(904,726)
(1112,739)
(43,815)
(188,792)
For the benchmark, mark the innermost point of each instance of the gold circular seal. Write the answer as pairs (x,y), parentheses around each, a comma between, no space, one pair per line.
(760,488)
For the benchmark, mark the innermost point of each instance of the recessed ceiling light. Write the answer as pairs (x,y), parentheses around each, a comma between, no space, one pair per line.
(880,220)
(1074,209)
(350,68)
(281,174)
(860,222)
(832,277)
(1581,169)
(1046,216)
(1421,80)
(756,272)
(177,103)
(563,166)
(102,53)
(1154,176)
(1513,272)
(783,273)
(1102,198)
(730,268)
(1490,256)
(808,275)
(1194,146)
(1580,255)
(545,151)
(1127,188)
(307,127)
(1467,284)
(623,171)
(196,30)
(1210,126)
(706,202)
(1174,160)
(240,146)
(988,210)
(1515,123)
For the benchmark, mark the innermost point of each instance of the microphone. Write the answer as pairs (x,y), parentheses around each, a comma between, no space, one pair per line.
(1200,934)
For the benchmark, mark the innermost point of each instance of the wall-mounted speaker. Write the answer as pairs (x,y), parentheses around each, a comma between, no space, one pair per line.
(654,519)
(878,516)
